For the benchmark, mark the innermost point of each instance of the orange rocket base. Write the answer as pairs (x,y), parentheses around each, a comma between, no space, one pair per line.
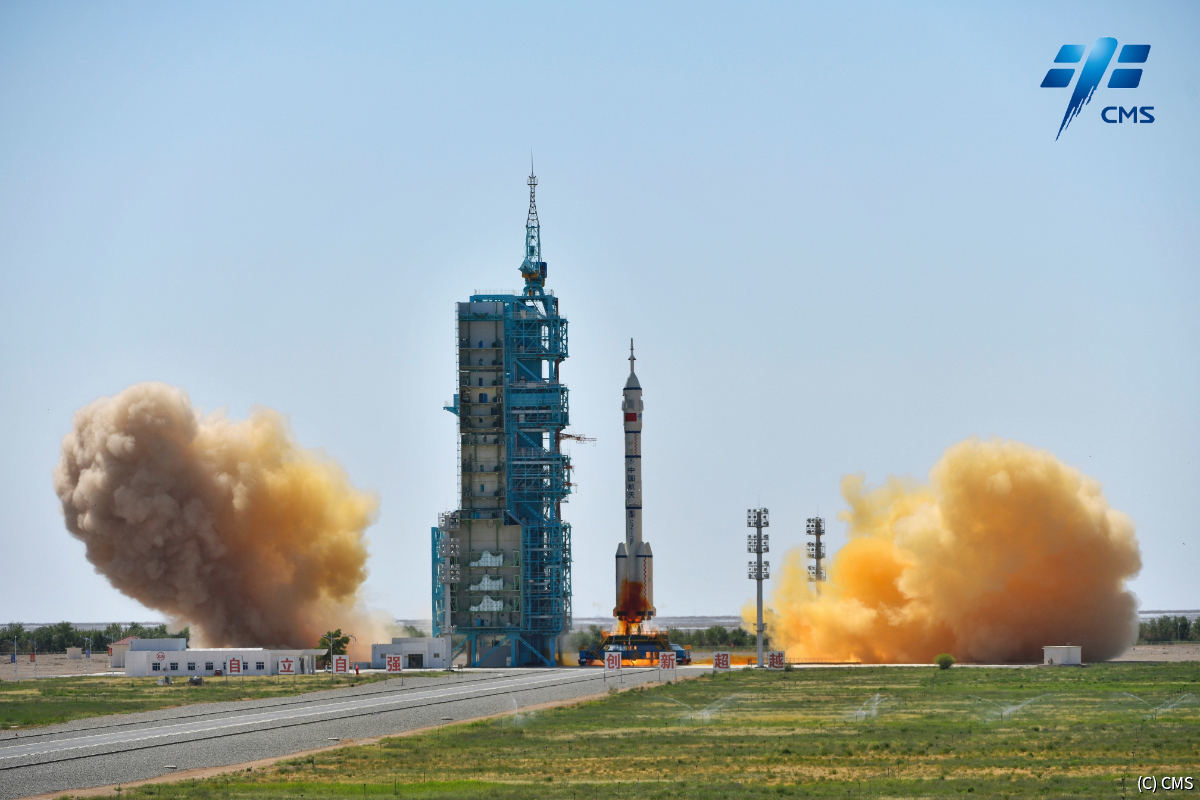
(632,607)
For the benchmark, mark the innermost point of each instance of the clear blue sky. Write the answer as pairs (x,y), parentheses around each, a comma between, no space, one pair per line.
(843,235)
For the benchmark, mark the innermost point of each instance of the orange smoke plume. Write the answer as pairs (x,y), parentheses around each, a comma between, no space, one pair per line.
(226,525)
(1006,550)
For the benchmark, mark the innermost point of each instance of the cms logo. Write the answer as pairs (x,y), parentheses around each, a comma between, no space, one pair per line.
(1091,75)
(1118,114)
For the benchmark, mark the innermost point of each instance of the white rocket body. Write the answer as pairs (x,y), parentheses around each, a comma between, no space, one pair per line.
(634,559)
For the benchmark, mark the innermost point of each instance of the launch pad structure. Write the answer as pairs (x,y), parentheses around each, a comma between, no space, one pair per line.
(502,560)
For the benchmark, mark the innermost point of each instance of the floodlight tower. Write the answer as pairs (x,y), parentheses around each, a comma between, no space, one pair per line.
(758,570)
(815,527)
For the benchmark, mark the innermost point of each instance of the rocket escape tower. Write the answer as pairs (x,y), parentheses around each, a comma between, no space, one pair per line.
(502,561)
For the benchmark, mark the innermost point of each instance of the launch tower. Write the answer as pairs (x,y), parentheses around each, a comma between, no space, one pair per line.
(502,560)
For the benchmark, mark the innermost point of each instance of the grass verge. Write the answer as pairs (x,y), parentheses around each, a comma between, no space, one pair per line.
(48,701)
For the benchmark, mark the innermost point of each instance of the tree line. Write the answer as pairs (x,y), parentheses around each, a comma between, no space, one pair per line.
(58,637)
(715,636)
(1169,629)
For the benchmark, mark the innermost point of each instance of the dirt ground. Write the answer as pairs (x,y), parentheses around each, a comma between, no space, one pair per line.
(1139,652)
(1160,652)
(53,665)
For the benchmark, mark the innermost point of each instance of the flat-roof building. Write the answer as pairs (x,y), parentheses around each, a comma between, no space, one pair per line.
(1070,655)
(430,652)
(182,662)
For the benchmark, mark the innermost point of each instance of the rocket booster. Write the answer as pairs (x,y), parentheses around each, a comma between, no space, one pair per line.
(635,559)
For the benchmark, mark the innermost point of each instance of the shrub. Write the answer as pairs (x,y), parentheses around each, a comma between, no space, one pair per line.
(944,661)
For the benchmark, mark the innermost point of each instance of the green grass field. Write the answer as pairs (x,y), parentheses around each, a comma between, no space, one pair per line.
(869,732)
(48,701)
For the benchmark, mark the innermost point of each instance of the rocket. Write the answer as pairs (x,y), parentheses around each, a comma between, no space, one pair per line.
(635,559)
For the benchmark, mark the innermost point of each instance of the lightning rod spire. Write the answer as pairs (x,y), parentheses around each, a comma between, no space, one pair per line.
(533,268)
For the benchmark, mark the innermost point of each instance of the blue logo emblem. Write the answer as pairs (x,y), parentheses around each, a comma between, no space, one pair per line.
(1093,71)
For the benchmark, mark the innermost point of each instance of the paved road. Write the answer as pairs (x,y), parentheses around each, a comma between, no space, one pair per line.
(125,748)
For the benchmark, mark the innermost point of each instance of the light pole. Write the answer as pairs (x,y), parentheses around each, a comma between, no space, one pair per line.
(758,570)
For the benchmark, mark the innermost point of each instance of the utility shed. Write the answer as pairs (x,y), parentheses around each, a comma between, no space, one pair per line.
(432,652)
(117,651)
(1060,655)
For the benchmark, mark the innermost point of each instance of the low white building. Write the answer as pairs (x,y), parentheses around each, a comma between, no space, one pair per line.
(1057,655)
(180,662)
(416,653)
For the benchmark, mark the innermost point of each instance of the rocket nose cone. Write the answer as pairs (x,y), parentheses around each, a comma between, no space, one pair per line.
(622,551)
(645,551)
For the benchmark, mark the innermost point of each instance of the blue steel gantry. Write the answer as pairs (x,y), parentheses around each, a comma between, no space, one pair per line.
(502,561)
